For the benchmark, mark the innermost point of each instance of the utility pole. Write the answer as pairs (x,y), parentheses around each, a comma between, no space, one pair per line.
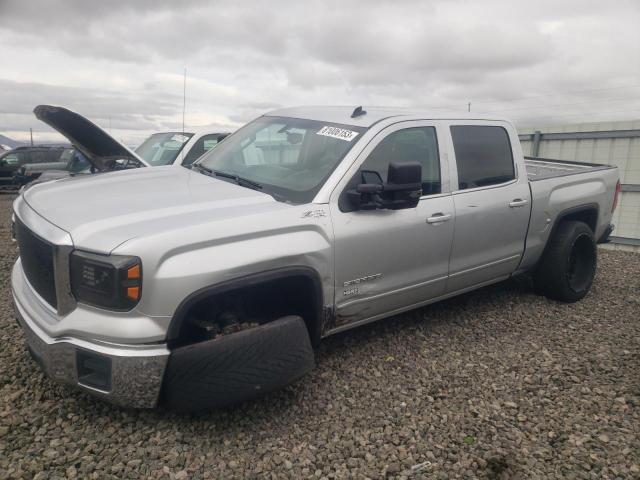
(469,107)
(31,135)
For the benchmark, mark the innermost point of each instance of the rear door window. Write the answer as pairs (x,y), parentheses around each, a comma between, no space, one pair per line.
(483,155)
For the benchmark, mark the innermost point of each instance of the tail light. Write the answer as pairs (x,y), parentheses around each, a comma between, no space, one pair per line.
(616,196)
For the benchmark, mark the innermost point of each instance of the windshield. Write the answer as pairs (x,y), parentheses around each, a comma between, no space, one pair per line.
(290,158)
(76,161)
(162,148)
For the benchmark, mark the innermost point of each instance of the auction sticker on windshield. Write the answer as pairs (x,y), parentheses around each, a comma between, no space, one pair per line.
(335,132)
(179,138)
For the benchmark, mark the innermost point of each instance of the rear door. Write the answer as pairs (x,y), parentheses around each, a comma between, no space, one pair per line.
(390,260)
(492,205)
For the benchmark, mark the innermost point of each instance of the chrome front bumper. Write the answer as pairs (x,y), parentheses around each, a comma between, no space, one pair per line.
(135,371)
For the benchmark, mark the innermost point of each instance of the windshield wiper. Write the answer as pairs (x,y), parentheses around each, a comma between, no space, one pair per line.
(243,182)
(208,171)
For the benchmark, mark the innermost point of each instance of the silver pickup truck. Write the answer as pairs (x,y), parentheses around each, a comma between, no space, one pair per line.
(199,288)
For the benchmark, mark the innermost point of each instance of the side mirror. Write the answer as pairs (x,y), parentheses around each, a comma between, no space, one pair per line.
(403,188)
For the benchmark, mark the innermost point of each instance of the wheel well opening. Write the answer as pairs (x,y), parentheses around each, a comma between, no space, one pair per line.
(239,308)
(588,216)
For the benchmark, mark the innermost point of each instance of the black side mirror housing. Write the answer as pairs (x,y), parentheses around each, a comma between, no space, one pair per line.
(403,188)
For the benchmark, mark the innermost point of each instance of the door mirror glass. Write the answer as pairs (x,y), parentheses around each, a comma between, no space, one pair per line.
(403,188)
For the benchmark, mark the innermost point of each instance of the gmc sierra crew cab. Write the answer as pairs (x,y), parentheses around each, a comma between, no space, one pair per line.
(199,288)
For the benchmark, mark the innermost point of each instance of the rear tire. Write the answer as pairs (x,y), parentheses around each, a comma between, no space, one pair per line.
(568,266)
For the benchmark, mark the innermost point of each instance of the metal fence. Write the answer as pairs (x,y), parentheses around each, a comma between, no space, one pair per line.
(615,143)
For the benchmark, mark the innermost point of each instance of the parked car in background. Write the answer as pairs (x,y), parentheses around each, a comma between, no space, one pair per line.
(100,152)
(103,153)
(13,160)
(204,287)
(72,162)
(178,148)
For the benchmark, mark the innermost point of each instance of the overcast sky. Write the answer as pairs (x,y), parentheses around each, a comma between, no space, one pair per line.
(121,63)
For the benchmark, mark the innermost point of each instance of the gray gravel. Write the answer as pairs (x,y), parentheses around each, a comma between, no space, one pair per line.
(499,383)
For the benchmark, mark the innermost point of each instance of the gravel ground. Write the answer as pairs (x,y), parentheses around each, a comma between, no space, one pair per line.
(498,383)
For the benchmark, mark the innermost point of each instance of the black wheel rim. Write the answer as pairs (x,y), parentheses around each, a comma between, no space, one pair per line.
(581,264)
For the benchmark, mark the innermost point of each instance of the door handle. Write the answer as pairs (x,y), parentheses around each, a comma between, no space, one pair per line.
(518,202)
(439,218)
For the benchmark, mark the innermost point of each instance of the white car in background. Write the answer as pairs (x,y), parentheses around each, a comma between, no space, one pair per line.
(104,153)
(178,148)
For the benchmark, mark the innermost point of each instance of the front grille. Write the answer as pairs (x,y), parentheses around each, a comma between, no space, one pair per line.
(37,262)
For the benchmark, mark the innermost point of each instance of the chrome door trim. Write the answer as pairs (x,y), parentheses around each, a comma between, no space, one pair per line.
(488,187)
(364,321)
(485,265)
(391,292)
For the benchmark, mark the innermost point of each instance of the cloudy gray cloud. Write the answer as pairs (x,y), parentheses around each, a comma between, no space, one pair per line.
(121,62)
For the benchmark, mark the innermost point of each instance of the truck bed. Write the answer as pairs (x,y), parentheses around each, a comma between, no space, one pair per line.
(543,168)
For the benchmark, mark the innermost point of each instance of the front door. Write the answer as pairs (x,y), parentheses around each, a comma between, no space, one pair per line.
(390,260)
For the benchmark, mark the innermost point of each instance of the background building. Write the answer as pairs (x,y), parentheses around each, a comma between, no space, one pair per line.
(616,143)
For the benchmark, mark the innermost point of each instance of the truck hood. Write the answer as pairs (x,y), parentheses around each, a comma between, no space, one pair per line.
(101,212)
(100,148)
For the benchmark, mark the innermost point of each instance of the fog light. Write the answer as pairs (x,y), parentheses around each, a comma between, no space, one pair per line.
(94,371)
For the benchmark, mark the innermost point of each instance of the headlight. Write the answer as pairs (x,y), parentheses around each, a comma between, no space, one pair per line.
(109,281)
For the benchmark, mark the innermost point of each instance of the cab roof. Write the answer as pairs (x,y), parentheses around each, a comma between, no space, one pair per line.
(343,114)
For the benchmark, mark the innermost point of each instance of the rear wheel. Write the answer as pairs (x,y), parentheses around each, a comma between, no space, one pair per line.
(568,267)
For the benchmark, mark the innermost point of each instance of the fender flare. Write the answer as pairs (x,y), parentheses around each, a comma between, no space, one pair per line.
(315,327)
(564,214)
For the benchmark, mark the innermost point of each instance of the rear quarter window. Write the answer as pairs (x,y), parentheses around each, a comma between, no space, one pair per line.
(483,155)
